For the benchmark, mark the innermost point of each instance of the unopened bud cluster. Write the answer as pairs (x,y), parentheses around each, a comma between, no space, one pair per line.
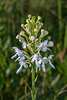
(31,38)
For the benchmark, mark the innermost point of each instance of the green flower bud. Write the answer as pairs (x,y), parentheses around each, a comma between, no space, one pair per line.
(29,16)
(22,32)
(22,25)
(35,30)
(18,36)
(34,17)
(27,20)
(39,18)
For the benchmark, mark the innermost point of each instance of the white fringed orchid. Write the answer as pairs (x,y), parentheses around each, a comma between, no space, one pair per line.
(31,40)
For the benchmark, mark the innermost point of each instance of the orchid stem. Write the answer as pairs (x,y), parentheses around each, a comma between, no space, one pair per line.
(33,83)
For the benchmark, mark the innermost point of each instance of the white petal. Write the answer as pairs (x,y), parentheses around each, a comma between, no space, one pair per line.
(44,49)
(45,42)
(32,38)
(34,57)
(45,60)
(42,32)
(32,60)
(36,39)
(43,66)
(51,64)
(40,61)
(23,58)
(14,56)
(37,64)
(50,44)
(21,41)
(50,57)
(16,49)
(24,45)
(19,69)
(19,52)
(48,49)
(17,59)
(40,46)
(25,65)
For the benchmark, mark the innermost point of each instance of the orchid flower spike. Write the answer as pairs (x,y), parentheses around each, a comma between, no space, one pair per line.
(35,48)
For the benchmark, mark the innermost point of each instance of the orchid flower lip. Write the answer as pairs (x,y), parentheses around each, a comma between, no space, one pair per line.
(24,45)
(14,56)
(51,64)
(19,69)
(17,59)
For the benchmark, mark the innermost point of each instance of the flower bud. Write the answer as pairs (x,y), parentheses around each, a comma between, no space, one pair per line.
(22,25)
(46,32)
(29,16)
(42,32)
(39,18)
(18,36)
(35,30)
(49,37)
(27,20)
(22,32)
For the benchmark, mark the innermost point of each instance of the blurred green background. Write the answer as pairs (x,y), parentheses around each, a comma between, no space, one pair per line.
(51,85)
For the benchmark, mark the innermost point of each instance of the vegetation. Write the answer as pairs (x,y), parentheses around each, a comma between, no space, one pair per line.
(51,85)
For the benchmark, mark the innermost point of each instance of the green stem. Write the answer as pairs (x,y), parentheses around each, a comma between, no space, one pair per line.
(33,83)
(60,20)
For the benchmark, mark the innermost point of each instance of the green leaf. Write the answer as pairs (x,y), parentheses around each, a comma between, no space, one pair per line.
(6,44)
(2,80)
(65,38)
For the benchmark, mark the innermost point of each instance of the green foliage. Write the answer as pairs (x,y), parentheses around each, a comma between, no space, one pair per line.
(65,38)
(12,14)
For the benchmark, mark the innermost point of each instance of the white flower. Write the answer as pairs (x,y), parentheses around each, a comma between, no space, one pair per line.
(43,61)
(43,46)
(18,52)
(22,63)
(35,58)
